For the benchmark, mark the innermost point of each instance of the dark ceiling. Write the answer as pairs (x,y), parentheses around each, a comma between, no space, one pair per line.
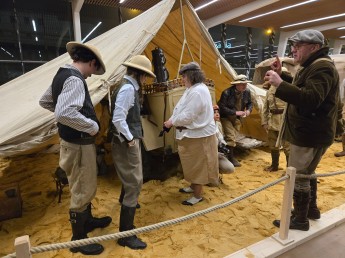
(233,11)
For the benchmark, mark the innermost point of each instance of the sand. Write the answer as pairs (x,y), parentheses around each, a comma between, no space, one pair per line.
(215,234)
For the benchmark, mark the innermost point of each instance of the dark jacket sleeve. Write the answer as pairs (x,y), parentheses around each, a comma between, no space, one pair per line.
(224,103)
(248,101)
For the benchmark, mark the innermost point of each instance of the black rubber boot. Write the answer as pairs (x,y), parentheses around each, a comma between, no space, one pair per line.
(78,220)
(299,220)
(122,195)
(93,223)
(275,161)
(231,157)
(313,212)
(126,223)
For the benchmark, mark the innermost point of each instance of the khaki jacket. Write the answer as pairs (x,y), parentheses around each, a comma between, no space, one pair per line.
(272,113)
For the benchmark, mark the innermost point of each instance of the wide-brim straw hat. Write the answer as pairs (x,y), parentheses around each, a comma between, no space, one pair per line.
(240,79)
(142,63)
(72,45)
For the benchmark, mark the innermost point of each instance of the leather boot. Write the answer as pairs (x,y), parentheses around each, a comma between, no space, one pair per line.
(126,223)
(78,220)
(299,220)
(122,195)
(231,157)
(313,212)
(93,223)
(342,153)
(275,161)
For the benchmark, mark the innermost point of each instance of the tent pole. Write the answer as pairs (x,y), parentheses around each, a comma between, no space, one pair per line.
(184,40)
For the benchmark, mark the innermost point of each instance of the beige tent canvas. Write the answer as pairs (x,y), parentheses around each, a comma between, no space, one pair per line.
(26,127)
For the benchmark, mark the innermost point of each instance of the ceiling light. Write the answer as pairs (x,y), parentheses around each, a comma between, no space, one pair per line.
(342,37)
(341,28)
(121,1)
(204,5)
(91,32)
(6,51)
(320,19)
(278,10)
(36,38)
(34,25)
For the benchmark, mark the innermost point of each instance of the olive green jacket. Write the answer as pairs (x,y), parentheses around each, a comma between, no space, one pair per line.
(313,98)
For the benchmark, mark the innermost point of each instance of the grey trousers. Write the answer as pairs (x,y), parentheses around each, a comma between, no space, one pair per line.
(128,165)
(305,160)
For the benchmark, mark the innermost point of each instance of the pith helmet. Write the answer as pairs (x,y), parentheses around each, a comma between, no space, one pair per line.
(142,63)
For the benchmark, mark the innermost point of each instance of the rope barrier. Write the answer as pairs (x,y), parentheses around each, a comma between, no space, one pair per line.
(92,240)
(313,176)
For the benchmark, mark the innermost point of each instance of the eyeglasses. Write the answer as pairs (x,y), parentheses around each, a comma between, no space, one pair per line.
(297,46)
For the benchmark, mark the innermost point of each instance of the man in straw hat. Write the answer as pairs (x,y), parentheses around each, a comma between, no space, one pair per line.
(127,133)
(68,97)
(235,103)
(310,118)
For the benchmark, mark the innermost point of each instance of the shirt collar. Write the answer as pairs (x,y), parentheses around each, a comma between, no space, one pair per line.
(133,81)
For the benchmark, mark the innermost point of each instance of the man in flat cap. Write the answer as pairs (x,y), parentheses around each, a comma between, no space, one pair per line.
(68,97)
(310,117)
(234,104)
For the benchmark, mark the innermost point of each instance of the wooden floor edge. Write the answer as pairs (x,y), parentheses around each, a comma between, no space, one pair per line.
(270,247)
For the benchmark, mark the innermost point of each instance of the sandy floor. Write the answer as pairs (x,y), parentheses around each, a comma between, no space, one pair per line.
(212,235)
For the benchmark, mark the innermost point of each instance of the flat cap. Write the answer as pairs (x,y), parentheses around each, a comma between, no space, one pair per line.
(189,66)
(308,36)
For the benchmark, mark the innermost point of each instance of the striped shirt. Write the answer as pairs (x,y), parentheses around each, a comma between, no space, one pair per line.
(69,102)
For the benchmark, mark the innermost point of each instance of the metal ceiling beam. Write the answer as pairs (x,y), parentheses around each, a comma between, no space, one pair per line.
(244,9)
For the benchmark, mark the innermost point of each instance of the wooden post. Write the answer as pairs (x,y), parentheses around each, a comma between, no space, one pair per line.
(286,207)
(22,246)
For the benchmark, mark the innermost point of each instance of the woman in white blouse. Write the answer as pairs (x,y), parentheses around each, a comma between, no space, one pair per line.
(195,133)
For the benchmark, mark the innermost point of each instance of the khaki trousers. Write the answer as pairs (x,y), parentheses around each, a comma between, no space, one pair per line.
(230,130)
(79,163)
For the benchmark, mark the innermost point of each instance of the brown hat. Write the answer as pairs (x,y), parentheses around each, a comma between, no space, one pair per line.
(73,45)
(142,63)
(240,79)
(189,66)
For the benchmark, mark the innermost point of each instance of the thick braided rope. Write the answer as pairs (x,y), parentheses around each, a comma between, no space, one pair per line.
(92,240)
(313,176)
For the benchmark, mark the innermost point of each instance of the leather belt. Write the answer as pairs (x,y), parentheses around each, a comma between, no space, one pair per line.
(180,128)
(277,111)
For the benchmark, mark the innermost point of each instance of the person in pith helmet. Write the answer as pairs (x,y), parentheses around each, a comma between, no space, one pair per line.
(68,97)
(127,134)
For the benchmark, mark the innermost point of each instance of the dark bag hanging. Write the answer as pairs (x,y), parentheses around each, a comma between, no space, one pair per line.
(158,60)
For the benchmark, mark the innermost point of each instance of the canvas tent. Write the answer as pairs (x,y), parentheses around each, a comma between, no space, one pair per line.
(26,127)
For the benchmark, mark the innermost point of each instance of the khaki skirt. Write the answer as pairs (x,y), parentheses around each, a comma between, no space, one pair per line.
(199,159)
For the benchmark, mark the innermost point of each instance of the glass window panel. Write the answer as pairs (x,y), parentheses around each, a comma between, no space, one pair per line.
(8,37)
(9,71)
(45,27)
